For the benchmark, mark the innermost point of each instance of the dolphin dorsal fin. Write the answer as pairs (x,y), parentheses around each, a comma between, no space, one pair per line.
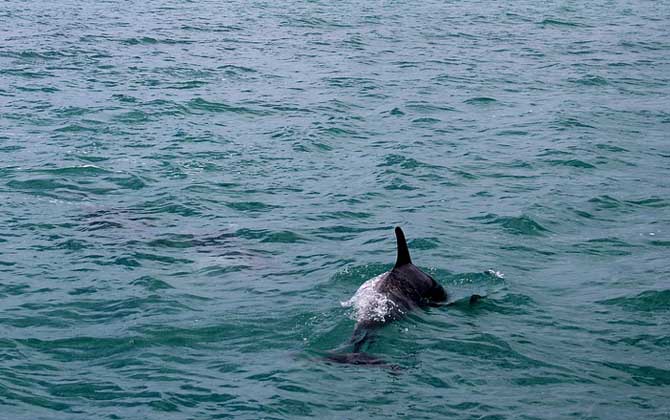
(403,251)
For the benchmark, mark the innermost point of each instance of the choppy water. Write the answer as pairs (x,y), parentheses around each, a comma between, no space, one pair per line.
(190,189)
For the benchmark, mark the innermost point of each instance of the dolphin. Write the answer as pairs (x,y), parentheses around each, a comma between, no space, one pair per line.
(386,298)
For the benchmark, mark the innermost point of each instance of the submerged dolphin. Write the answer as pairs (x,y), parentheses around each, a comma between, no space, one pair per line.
(386,298)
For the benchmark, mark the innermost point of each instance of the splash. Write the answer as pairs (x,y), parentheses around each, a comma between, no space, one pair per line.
(368,303)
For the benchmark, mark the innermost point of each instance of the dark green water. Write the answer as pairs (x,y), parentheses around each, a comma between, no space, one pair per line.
(190,189)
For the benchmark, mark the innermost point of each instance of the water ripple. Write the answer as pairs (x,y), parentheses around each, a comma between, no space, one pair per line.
(189,189)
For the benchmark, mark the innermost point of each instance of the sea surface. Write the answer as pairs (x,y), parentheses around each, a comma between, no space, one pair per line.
(190,191)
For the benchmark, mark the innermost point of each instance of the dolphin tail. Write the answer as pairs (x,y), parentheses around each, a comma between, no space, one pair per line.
(355,359)
(403,251)
(361,338)
(363,359)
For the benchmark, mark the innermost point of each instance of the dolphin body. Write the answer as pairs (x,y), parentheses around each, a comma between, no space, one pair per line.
(386,298)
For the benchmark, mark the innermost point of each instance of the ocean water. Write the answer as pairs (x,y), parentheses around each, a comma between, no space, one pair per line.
(190,189)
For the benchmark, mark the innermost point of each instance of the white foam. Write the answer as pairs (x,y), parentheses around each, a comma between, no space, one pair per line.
(368,303)
(498,274)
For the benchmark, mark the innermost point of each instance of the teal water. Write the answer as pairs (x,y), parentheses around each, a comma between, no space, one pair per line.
(190,189)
